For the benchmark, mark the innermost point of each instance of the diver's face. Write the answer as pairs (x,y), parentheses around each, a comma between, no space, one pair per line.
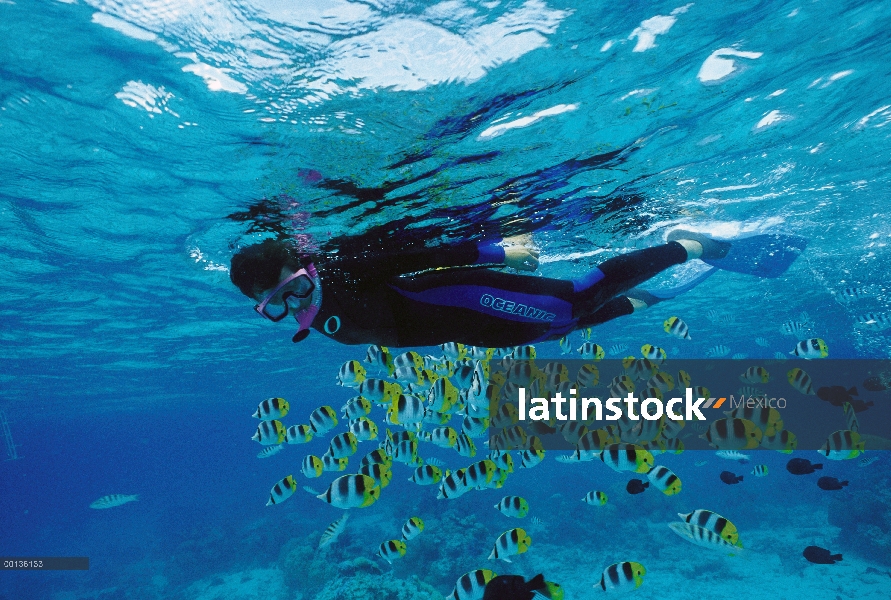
(292,294)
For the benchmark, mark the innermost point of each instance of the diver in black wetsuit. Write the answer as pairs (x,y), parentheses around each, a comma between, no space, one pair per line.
(429,296)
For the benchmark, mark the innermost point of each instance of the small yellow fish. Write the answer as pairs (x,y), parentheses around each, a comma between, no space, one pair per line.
(510,543)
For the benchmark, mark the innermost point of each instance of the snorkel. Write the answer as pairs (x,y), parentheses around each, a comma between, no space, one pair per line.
(305,317)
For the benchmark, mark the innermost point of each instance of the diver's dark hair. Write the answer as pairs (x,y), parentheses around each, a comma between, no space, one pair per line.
(259,266)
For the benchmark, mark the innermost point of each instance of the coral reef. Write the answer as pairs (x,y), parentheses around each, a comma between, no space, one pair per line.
(359,565)
(865,521)
(338,574)
(240,585)
(451,545)
(207,549)
(377,587)
(304,568)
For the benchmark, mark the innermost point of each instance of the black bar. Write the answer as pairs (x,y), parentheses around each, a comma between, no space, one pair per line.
(44,563)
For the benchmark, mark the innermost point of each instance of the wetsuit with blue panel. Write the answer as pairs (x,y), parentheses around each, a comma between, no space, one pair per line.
(429,296)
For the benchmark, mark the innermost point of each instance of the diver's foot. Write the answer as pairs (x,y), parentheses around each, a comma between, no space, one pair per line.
(711,249)
(641,298)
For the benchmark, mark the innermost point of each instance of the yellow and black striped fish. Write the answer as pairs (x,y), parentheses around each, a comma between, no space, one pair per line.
(312,467)
(511,543)
(479,474)
(591,351)
(465,446)
(412,528)
(406,452)
(713,522)
(442,396)
(812,348)
(513,506)
(506,416)
(662,381)
(595,498)
(590,444)
(755,375)
(782,441)
(391,550)
(733,434)
(767,419)
(502,460)
(653,353)
(622,576)
(381,474)
(664,480)
(270,433)
(851,417)
(621,386)
(331,464)
(572,431)
(521,353)
(380,358)
(322,420)
(703,537)
(453,351)
(557,370)
(522,373)
(352,491)
(426,475)
(639,368)
(356,407)
(298,434)
(453,486)
(627,457)
(379,391)
(343,445)
(511,438)
(587,377)
(272,408)
(351,374)
(676,327)
(409,359)
(801,381)
(282,490)
(474,426)
(843,445)
(444,437)
(364,429)
(407,409)
(378,456)
(471,585)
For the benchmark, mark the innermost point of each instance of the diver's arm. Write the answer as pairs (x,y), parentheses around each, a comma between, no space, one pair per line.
(385,264)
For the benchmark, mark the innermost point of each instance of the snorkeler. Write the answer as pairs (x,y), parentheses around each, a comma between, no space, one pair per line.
(429,296)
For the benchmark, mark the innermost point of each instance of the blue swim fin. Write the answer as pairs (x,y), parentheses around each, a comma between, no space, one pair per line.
(762,255)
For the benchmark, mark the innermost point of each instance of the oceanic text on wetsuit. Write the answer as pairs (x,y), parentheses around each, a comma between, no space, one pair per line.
(515,308)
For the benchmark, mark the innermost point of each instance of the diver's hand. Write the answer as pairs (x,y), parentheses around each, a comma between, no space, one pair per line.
(518,256)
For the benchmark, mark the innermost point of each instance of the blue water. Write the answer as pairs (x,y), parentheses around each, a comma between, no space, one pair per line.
(143,142)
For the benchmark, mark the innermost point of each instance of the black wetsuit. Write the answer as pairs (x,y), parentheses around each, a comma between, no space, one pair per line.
(428,296)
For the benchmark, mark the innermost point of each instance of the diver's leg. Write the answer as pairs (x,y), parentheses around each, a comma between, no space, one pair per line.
(634,300)
(708,247)
(613,309)
(619,274)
